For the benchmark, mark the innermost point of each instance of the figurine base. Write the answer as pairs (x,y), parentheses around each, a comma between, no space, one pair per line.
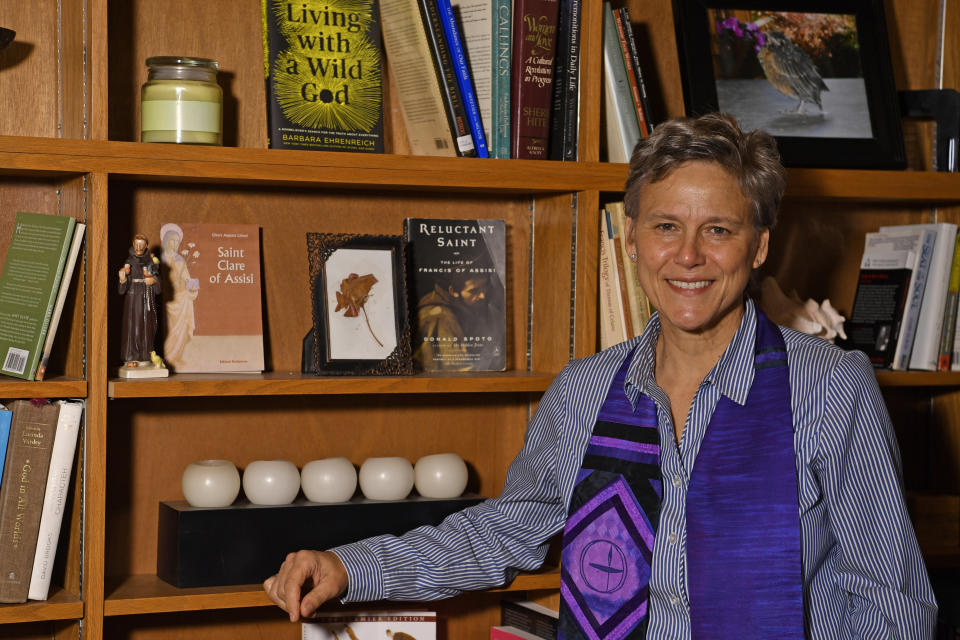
(144,370)
(246,543)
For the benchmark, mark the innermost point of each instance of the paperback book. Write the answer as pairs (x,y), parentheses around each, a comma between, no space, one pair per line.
(322,65)
(372,625)
(212,290)
(457,273)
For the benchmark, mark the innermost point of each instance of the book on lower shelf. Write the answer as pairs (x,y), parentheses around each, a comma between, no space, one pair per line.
(322,65)
(612,329)
(29,287)
(532,617)
(214,321)
(372,625)
(508,632)
(457,271)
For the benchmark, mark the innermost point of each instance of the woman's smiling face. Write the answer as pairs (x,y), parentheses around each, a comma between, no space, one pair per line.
(696,245)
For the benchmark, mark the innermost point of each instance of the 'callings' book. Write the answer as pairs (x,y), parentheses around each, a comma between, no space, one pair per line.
(322,64)
(457,273)
(212,297)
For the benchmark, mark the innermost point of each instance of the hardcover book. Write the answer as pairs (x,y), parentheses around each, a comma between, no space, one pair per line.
(464,77)
(621,125)
(372,625)
(28,288)
(534,53)
(565,120)
(62,291)
(531,617)
(500,81)
(212,290)
(458,274)
(478,24)
(21,495)
(322,65)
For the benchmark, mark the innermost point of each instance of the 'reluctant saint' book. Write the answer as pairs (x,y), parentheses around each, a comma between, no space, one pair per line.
(322,64)
(457,274)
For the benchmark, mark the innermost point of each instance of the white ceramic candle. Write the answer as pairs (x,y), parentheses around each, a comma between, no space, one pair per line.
(328,480)
(210,483)
(389,478)
(271,482)
(441,475)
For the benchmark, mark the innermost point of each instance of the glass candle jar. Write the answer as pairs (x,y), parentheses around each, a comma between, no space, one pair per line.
(181,101)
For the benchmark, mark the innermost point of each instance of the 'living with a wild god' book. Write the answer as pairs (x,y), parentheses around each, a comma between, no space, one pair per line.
(322,65)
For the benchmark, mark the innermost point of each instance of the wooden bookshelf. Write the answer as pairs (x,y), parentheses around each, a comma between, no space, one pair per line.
(61,605)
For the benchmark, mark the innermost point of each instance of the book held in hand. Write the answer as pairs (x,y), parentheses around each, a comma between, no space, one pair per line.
(212,297)
(371,625)
(322,64)
(29,283)
(457,273)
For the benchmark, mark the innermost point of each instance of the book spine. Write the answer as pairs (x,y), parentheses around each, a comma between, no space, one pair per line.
(623,272)
(464,81)
(638,314)
(623,25)
(55,497)
(949,330)
(21,495)
(926,346)
(530,617)
(911,314)
(638,72)
(75,245)
(5,417)
(502,32)
(534,52)
(266,30)
(623,130)
(564,121)
(620,332)
(447,77)
(476,19)
(608,306)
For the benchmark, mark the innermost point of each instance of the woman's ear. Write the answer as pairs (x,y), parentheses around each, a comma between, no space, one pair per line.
(763,247)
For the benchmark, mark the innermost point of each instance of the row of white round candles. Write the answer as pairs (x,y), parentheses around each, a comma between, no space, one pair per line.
(216,483)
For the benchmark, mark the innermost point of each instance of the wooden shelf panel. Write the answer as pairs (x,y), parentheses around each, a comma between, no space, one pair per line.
(51,388)
(864,185)
(294,383)
(144,594)
(61,605)
(942,557)
(918,378)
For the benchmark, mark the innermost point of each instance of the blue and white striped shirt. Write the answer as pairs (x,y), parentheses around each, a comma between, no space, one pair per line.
(863,573)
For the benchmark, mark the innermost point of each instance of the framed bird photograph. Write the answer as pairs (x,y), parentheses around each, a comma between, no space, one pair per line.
(816,75)
(358,294)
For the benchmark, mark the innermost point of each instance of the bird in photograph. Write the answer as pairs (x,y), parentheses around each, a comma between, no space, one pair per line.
(790,70)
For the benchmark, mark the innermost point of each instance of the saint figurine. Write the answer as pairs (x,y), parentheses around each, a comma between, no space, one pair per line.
(140,285)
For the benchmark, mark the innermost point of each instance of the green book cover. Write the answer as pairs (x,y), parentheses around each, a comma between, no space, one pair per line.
(28,288)
(500,79)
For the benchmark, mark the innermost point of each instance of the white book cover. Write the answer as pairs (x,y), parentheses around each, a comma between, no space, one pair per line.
(476,20)
(926,344)
(622,128)
(921,242)
(372,625)
(55,497)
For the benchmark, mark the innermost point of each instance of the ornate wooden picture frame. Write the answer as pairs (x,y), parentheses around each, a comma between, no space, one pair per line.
(815,75)
(358,294)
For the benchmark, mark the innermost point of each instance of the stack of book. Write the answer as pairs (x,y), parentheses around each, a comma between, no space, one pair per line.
(624,307)
(626,107)
(475,78)
(905,310)
(38,440)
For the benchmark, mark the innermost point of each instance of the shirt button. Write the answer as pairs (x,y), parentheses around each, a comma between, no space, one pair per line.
(672,538)
(674,600)
(677,481)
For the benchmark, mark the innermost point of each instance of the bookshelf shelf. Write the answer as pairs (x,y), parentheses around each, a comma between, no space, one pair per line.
(61,605)
(295,383)
(55,387)
(144,594)
(944,379)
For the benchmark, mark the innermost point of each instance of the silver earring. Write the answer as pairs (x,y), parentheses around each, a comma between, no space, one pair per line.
(633,256)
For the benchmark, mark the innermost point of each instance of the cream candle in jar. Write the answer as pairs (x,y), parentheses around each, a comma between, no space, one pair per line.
(181,101)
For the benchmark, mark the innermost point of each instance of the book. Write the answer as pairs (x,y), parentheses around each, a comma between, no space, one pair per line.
(477,21)
(622,262)
(565,115)
(464,79)
(5,417)
(322,66)
(639,303)
(926,345)
(950,361)
(876,319)
(508,632)
(531,89)
(457,275)
(29,284)
(628,50)
(531,617)
(417,84)
(445,68)
(500,81)
(21,494)
(371,625)
(64,288)
(212,297)
(637,70)
(620,120)
(55,497)
(611,318)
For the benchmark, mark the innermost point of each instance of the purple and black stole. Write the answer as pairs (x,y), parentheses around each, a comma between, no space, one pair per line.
(743,526)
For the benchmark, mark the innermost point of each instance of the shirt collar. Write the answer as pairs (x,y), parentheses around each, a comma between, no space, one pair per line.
(732,375)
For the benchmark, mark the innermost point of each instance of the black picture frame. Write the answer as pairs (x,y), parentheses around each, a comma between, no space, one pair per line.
(844,138)
(358,295)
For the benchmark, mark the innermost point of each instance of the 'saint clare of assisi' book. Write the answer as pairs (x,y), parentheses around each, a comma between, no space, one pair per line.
(212,297)
(457,275)
(322,65)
